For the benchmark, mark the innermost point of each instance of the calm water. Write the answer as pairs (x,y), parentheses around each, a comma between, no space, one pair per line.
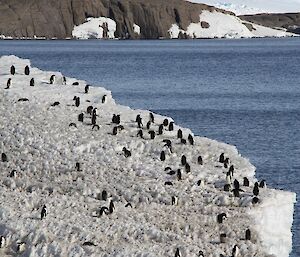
(243,92)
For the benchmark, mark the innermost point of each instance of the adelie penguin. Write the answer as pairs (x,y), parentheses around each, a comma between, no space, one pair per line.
(248,234)
(191,139)
(103,99)
(104,195)
(90,109)
(77,166)
(179,176)
(86,89)
(179,133)
(231,170)
(177,253)
(139,121)
(255,200)
(262,184)
(111,207)
(94,117)
(165,122)
(227,187)
(246,182)
(126,152)
(221,217)
(52,78)
(187,168)
(162,156)
(80,117)
(77,101)
(200,183)
(31,83)
(256,189)
(8,83)
(148,125)
(152,134)
(200,161)
(171,126)
(174,200)
(235,251)
(151,116)
(2,242)
(12,70)
(115,131)
(4,157)
(221,158)
(226,162)
(183,160)
(27,70)
(160,129)
(44,212)
(140,133)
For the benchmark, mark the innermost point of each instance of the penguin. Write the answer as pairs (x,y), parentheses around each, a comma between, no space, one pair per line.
(221,158)
(183,141)
(221,217)
(64,80)
(21,247)
(115,131)
(179,176)
(248,234)
(76,83)
(111,207)
(13,174)
(162,156)
(52,78)
(4,157)
(103,99)
(171,126)
(255,200)
(148,125)
(262,184)
(55,104)
(104,195)
(168,143)
(183,160)
(89,110)
(191,139)
(227,187)
(77,101)
(88,243)
(187,168)
(171,172)
(151,116)
(95,126)
(168,168)
(44,212)
(236,184)
(127,153)
(168,183)
(235,251)
(72,125)
(31,83)
(236,192)
(77,165)
(223,238)
(80,117)
(2,241)
(27,70)
(231,170)
(86,89)
(255,189)
(152,134)
(177,253)
(128,205)
(139,121)
(94,117)
(140,134)
(200,254)
(12,70)
(8,83)
(165,122)
(160,129)
(246,182)
(226,162)
(174,200)
(228,178)
(200,183)
(179,133)
(103,210)
(23,100)
(200,161)
(120,127)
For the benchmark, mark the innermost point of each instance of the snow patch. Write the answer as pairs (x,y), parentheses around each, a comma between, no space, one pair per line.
(98,28)
(136,29)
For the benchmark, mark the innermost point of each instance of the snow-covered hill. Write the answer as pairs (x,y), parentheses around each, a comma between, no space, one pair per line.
(241,7)
(113,203)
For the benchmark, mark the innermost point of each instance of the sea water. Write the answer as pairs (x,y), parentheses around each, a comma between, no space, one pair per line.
(243,92)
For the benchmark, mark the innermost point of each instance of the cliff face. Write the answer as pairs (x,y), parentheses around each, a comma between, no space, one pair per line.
(290,21)
(56,19)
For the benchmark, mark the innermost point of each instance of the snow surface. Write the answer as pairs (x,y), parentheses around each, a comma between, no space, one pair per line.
(43,149)
(241,7)
(225,26)
(136,29)
(93,28)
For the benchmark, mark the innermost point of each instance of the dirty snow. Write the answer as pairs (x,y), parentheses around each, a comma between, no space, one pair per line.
(43,149)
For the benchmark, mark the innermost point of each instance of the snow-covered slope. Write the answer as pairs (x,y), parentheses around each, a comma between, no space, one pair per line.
(241,7)
(42,145)
(219,25)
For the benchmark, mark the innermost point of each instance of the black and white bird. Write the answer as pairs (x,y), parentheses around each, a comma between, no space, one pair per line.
(235,251)
(44,212)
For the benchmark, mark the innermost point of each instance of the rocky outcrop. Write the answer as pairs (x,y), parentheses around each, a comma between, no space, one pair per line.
(56,19)
(290,21)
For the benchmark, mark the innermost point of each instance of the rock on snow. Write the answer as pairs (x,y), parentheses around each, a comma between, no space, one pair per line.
(43,150)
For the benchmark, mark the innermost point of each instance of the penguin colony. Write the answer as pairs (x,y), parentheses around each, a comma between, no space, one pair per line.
(149,129)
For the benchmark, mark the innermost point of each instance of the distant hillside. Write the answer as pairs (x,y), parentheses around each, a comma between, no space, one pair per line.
(290,21)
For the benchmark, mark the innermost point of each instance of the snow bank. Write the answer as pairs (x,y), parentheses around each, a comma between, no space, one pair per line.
(101,27)
(136,29)
(219,25)
(42,145)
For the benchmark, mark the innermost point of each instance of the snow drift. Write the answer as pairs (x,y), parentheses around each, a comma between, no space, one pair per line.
(156,212)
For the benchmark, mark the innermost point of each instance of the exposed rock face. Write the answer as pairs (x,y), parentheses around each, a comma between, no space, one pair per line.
(290,21)
(56,19)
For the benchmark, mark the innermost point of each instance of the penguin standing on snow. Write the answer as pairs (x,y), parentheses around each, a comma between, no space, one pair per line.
(151,116)
(2,242)
(27,70)
(200,161)
(183,160)
(165,122)
(221,217)
(4,157)
(174,200)
(191,139)
(86,89)
(262,184)
(77,101)
(171,126)
(8,83)
(140,134)
(31,83)
(162,156)
(179,133)
(12,70)
(44,212)
(111,207)
(235,251)
(177,253)
(179,176)
(248,234)
(221,158)
(256,189)
(160,129)
(80,117)
(103,99)
(52,78)
(246,182)
(148,124)
(152,134)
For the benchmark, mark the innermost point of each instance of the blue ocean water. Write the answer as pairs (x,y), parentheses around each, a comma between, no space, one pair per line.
(242,92)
